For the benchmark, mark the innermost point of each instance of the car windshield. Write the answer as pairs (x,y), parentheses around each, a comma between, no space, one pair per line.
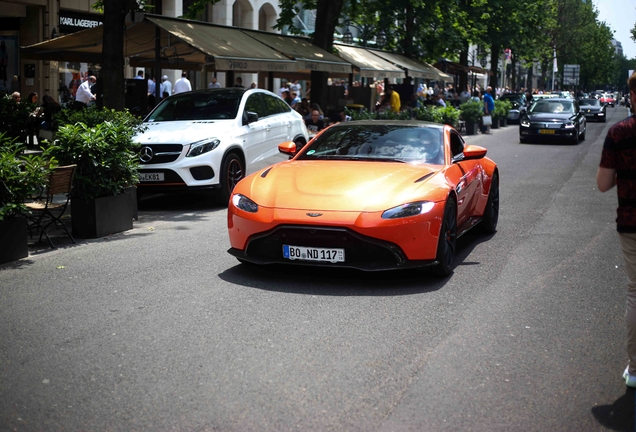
(378,142)
(197,106)
(552,106)
(592,102)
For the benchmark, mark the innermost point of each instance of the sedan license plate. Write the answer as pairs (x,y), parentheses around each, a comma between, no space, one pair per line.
(151,177)
(304,253)
(546,131)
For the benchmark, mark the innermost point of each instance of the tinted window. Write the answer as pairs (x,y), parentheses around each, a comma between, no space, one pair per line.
(272,105)
(254,104)
(594,102)
(552,106)
(197,106)
(373,142)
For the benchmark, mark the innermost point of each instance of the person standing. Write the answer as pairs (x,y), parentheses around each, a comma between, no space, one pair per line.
(214,84)
(140,75)
(151,86)
(84,94)
(489,107)
(394,99)
(239,82)
(618,168)
(182,84)
(166,86)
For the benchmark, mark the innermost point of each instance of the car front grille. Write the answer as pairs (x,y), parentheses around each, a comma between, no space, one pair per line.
(360,251)
(159,153)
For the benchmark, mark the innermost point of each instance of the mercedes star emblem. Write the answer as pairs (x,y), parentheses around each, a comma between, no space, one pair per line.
(146,154)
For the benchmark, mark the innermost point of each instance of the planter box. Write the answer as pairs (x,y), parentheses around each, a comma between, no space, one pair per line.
(503,122)
(472,128)
(13,238)
(495,123)
(103,216)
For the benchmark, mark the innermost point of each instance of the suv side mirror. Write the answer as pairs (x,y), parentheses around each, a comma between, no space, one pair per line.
(251,117)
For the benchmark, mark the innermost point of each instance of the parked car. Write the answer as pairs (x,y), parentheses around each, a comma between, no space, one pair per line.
(518,103)
(608,99)
(370,195)
(210,139)
(593,109)
(553,118)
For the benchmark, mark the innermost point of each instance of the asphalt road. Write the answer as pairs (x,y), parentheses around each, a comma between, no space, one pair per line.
(160,329)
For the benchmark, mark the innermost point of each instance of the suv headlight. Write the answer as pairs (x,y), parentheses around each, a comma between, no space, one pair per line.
(569,125)
(244,203)
(525,122)
(203,146)
(408,210)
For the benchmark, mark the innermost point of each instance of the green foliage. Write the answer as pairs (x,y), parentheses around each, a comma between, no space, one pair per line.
(14,117)
(471,111)
(93,116)
(21,176)
(502,108)
(105,155)
(448,115)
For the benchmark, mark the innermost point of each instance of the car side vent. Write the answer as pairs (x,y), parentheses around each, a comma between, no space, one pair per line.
(423,178)
(264,173)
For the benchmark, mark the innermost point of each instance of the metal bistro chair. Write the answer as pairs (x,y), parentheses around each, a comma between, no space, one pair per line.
(45,211)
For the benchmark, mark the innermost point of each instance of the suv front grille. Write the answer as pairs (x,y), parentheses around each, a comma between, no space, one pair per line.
(159,153)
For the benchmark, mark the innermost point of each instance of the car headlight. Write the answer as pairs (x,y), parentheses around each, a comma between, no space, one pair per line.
(203,146)
(525,122)
(569,125)
(601,113)
(244,203)
(408,210)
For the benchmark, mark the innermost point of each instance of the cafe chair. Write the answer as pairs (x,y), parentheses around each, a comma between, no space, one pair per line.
(48,208)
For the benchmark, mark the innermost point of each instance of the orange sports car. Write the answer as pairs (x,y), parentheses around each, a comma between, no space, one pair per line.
(370,195)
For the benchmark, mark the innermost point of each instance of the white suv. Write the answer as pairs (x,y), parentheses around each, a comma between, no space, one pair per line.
(211,139)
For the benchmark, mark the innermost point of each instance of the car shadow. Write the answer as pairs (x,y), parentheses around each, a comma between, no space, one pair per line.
(336,281)
(618,416)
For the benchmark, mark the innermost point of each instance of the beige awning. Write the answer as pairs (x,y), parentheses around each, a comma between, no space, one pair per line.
(308,56)
(184,44)
(413,68)
(367,64)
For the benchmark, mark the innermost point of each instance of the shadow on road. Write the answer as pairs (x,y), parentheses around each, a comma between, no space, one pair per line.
(618,416)
(346,282)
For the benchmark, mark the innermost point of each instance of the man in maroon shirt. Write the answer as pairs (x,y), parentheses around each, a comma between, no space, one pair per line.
(618,168)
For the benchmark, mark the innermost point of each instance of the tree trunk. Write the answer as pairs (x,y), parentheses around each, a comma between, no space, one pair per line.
(463,75)
(494,65)
(327,14)
(112,72)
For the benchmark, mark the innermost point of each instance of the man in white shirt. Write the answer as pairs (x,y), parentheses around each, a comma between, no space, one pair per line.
(166,86)
(84,94)
(151,86)
(182,84)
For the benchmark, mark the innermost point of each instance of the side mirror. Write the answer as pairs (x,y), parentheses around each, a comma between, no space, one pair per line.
(288,148)
(474,152)
(251,117)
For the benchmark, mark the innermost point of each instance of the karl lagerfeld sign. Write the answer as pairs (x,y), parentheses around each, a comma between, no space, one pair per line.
(71,21)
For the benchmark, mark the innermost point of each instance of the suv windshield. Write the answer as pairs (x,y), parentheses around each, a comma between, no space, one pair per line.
(197,106)
(552,106)
(378,142)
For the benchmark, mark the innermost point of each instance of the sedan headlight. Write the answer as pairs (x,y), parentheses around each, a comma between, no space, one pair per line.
(408,210)
(569,125)
(244,203)
(525,122)
(203,146)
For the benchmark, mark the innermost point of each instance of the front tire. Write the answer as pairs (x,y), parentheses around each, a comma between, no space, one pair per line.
(447,242)
(583,134)
(232,171)
(491,212)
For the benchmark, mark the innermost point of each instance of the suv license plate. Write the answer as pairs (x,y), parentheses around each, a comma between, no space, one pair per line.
(304,253)
(546,131)
(151,177)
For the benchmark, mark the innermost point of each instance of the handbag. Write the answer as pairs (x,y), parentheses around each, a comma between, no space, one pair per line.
(487,120)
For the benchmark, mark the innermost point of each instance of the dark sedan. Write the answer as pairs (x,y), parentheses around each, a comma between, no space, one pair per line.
(553,118)
(518,105)
(593,109)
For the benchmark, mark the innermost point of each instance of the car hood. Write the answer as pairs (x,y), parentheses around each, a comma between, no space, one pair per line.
(182,132)
(550,117)
(343,185)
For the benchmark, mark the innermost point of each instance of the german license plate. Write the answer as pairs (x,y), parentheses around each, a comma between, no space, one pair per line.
(151,177)
(304,253)
(546,131)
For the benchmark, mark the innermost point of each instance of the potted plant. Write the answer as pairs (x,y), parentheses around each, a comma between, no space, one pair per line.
(471,112)
(21,177)
(502,108)
(103,200)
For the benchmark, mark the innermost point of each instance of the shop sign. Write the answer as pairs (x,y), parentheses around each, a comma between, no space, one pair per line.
(71,21)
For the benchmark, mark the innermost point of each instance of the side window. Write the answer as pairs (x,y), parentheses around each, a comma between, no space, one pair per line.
(254,104)
(457,144)
(284,107)
(271,105)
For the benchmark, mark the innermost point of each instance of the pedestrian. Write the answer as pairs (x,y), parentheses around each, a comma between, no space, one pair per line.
(287,98)
(166,87)
(295,99)
(151,85)
(140,75)
(489,107)
(394,98)
(315,124)
(239,82)
(253,85)
(440,99)
(16,97)
(303,108)
(32,98)
(182,84)
(618,168)
(84,94)
(214,84)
